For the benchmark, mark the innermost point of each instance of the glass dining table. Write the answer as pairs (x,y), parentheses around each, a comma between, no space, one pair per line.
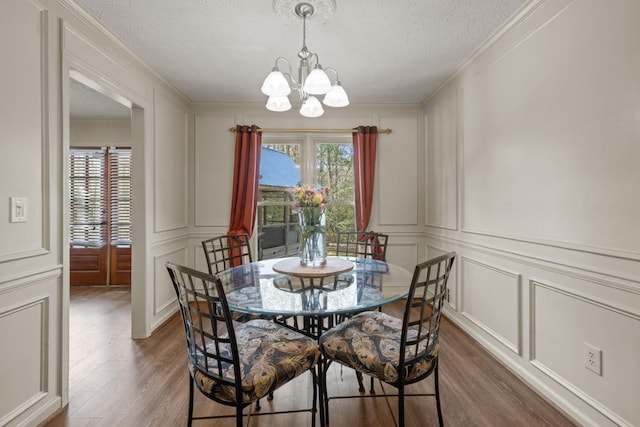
(283,289)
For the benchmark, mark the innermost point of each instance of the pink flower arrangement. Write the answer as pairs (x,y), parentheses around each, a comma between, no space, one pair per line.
(308,196)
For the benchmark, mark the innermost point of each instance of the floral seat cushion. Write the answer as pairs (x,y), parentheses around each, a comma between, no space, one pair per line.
(370,342)
(270,356)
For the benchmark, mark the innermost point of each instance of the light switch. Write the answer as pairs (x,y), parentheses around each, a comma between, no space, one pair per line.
(18,209)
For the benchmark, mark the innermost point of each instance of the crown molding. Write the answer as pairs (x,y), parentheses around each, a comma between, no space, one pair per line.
(516,18)
(93,24)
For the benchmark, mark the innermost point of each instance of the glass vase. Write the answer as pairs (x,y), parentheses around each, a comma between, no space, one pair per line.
(313,246)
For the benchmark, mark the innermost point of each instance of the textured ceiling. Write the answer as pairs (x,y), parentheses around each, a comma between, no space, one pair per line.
(384,51)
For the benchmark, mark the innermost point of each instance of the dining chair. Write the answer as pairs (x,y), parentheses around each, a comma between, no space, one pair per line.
(397,351)
(232,250)
(363,245)
(233,363)
(226,251)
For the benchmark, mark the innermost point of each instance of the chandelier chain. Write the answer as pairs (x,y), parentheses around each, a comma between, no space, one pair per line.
(304,30)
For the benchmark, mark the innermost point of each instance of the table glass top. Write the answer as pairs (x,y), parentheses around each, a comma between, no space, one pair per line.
(257,288)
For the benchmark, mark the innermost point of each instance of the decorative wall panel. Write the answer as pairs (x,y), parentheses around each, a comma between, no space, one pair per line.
(441,162)
(563,321)
(24,359)
(170,164)
(214,156)
(397,187)
(550,148)
(164,295)
(403,254)
(490,298)
(25,132)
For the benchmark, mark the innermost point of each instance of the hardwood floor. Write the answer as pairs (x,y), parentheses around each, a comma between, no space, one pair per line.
(117,381)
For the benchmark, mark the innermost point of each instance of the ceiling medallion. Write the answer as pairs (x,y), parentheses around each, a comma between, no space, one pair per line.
(289,10)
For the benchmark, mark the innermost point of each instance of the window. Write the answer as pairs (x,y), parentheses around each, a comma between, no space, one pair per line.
(87,197)
(284,164)
(120,196)
(100,197)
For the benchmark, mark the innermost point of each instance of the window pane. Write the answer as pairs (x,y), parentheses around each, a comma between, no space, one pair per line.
(120,196)
(277,226)
(334,169)
(87,193)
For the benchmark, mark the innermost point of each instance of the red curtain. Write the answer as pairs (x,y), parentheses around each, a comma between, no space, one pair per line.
(364,167)
(246,174)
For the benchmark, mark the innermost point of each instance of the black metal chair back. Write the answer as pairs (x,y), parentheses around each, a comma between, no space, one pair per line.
(362,244)
(423,312)
(226,251)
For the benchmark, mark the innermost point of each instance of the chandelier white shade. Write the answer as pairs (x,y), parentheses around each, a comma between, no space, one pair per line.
(311,107)
(312,79)
(276,85)
(336,97)
(317,83)
(278,104)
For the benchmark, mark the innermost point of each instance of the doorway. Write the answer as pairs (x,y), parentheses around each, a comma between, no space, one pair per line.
(100,209)
(100,188)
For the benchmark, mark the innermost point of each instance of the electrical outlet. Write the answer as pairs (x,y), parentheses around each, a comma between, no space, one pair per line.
(447,295)
(593,359)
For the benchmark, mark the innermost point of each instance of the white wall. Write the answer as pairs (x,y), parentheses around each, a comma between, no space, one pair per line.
(48,40)
(30,258)
(532,177)
(100,133)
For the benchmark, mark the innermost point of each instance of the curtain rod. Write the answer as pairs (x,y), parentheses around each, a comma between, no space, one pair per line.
(290,130)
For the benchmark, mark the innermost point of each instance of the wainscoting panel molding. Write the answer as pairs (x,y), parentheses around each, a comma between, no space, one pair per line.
(27,121)
(214,152)
(490,298)
(563,322)
(27,351)
(170,163)
(441,177)
(396,184)
(616,273)
(404,254)
(164,295)
(524,128)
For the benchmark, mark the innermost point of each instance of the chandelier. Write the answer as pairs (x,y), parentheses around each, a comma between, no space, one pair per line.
(312,78)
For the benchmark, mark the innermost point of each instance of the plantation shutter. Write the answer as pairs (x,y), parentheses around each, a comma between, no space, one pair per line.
(120,196)
(87,197)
